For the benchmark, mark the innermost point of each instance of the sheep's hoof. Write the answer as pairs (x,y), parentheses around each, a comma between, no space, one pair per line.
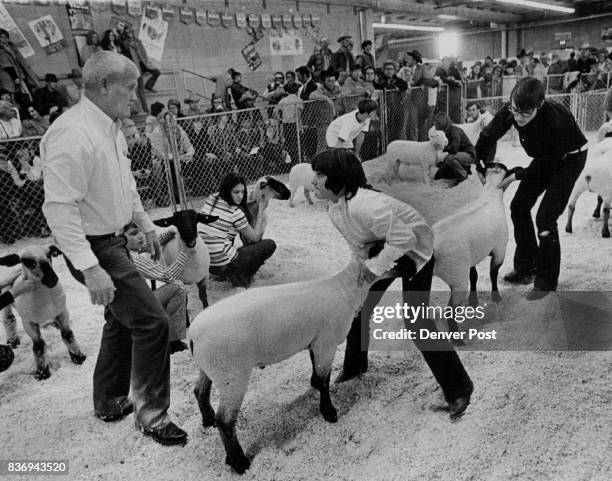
(77,357)
(208,418)
(605,234)
(329,413)
(568,228)
(42,373)
(13,342)
(238,461)
(596,214)
(495,297)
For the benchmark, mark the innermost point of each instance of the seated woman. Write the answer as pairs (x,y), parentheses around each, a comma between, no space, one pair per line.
(35,125)
(239,265)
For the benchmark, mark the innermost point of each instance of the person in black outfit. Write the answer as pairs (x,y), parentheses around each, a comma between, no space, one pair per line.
(549,133)
(49,99)
(456,158)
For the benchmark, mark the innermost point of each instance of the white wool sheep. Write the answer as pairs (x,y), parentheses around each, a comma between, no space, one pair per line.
(301,175)
(269,187)
(264,326)
(410,152)
(473,129)
(46,303)
(595,177)
(462,240)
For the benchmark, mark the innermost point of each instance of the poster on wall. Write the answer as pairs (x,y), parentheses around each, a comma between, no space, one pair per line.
(118,24)
(214,19)
(134,8)
(80,42)
(252,57)
(118,6)
(289,44)
(266,20)
(186,14)
(97,5)
(79,16)
(48,34)
(200,16)
(7,23)
(152,34)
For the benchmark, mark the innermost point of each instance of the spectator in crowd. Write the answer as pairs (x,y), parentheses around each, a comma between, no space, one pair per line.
(328,90)
(193,106)
(35,125)
(392,82)
(343,57)
(216,105)
(366,59)
(355,85)
(72,91)
(244,97)
(157,108)
(16,75)
(497,79)
(523,68)
(455,160)
(310,116)
(321,58)
(341,77)
(134,50)
(290,79)
(222,85)
(348,130)
(196,128)
(288,112)
(172,295)
(416,113)
(449,74)
(308,85)
(174,107)
(10,123)
(474,81)
(555,71)
(92,45)
(473,111)
(86,208)
(110,41)
(274,90)
(238,265)
(49,99)
(584,62)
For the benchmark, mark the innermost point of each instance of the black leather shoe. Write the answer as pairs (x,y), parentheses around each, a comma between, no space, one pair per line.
(537,293)
(458,407)
(516,277)
(169,435)
(125,408)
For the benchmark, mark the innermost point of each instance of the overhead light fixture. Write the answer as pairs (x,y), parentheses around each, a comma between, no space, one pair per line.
(444,16)
(542,5)
(400,26)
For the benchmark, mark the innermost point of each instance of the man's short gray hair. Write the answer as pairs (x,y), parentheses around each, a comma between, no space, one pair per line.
(113,67)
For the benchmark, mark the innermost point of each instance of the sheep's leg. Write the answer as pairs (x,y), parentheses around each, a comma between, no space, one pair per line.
(605,231)
(202,394)
(291,199)
(597,211)
(39,349)
(580,187)
(62,321)
(231,393)
(203,295)
(307,195)
(322,357)
(10,327)
(456,299)
(497,259)
(473,299)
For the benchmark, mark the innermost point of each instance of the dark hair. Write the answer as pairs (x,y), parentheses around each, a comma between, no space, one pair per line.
(343,170)
(156,108)
(228,182)
(289,72)
(365,43)
(105,42)
(235,74)
(367,106)
(279,73)
(292,88)
(303,70)
(354,67)
(472,102)
(326,74)
(89,37)
(527,94)
(443,120)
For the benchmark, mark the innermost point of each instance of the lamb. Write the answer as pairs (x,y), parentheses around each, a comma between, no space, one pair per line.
(198,262)
(473,129)
(464,239)
(264,326)
(595,177)
(271,188)
(409,152)
(41,305)
(301,176)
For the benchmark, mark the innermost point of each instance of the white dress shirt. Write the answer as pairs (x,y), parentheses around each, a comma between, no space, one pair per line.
(370,216)
(89,187)
(346,128)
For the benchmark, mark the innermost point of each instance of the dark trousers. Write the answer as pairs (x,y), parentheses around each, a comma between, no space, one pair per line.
(455,166)
(134,346)
(439,355)
(248,261)
(556,179)
(153,78)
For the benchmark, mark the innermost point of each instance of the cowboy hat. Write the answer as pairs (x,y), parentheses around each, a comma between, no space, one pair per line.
(344,35)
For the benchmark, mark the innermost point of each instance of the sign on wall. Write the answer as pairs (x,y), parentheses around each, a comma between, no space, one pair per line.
(289,44)
(134,8)
(200,16)
(7,23)
(186,14)
(48,34)
(252,57)
(79,16)
(153,32)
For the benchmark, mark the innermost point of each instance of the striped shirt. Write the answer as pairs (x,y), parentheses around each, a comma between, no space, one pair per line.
(156,271)
(220,235)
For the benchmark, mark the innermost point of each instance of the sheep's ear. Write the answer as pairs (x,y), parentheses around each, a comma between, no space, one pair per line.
(10,260)
(54,251)
(165,222)
(282,191)
(206,218)
(481,168)
(513,170)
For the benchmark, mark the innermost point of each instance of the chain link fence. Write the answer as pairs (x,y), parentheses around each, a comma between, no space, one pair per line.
(254,142)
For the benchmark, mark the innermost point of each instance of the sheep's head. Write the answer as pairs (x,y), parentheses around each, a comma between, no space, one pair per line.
(35,260)
(438,138)
(494,173)
(186,222)
(270,187)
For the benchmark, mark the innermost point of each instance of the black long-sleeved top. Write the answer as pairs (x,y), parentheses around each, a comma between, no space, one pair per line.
(551,134)
(458,141)
(6,298)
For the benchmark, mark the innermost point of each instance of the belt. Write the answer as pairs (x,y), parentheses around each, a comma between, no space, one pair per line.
(117,233)
(577,151)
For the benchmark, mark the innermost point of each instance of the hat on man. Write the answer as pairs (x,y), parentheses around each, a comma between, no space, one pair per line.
(174,102)
(344,35)
(50,77)
(416,55)
(75,73)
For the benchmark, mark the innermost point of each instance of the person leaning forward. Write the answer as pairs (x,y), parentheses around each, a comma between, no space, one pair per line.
(90,195)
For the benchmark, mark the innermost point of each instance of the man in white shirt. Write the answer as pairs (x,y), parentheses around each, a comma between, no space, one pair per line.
(352,126)
(90,195)
(371,220)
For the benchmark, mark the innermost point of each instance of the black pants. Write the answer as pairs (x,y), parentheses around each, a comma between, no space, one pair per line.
(556,179)
(248,261)
(155,73)
(439,355)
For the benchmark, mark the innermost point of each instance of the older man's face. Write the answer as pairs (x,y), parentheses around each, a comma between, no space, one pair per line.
(120,97)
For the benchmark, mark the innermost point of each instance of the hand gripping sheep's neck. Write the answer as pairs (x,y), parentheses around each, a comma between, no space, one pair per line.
(264,326)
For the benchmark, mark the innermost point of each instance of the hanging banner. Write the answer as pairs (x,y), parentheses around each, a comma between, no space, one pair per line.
(97,5)
(151,11)
(297,21)
(17,38)
(153,32)
(118,6)
(287,21)
(186,14)
(48,34)
(315,20)
(200,16)
(252,57)
(168,12)
(214,19)
(226,19)
(266,20)
(289,44)
(134,8)
(254,21)
(79,16)
(276,21)
(241,20)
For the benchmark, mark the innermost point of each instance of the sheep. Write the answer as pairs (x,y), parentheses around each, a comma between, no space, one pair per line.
(409,152)
(465,238)
(36,307)
(265,326)
(595,177)
(270,187)
(473,129)
(198,261)
(301,176)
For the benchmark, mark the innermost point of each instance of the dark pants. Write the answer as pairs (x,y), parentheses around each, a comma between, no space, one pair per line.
(134,346)
(439,355)
(153,78)
(250,258)
(455,166)
(556,179)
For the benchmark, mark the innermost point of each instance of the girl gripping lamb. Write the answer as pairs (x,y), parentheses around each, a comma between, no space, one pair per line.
(363,217)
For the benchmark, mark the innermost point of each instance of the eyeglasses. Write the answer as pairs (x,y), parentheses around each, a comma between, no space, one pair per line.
(522,113)
(280,79)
